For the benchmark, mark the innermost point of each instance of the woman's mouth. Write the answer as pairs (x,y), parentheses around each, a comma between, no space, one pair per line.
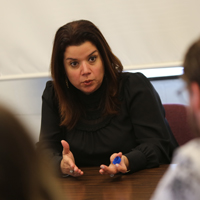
(87,82)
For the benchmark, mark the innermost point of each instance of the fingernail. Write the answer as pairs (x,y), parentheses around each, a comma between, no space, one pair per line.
(117,165)
(102,167)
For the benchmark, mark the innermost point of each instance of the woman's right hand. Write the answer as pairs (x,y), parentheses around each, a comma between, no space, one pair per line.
(67,164)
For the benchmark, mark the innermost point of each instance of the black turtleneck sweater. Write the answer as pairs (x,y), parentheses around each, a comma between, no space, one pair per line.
(140,130)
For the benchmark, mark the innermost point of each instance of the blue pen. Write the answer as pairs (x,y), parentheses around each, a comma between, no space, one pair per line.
(117,160)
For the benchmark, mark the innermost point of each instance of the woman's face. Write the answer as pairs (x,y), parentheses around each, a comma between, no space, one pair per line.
(84,67)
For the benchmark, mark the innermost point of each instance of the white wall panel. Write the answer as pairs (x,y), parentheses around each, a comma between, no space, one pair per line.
(141,33)
(23,98)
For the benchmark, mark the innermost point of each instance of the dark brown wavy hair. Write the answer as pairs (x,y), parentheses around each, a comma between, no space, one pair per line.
(76,33)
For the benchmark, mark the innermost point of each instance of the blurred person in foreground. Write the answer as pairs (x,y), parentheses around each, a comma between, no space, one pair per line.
(182,182)
(24,174)
(92,112)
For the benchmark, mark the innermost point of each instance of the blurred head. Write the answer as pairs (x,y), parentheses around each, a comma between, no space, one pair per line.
(22,173)
(192,78)
(192,64)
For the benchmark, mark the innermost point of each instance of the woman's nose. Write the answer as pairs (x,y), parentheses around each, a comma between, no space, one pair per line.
(85,68)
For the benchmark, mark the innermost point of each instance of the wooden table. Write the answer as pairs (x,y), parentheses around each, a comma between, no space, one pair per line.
(92,185)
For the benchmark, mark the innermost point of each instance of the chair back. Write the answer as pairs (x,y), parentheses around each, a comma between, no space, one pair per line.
(176,115)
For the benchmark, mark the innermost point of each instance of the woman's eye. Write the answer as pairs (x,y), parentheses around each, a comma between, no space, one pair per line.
(92,58)
(74,64)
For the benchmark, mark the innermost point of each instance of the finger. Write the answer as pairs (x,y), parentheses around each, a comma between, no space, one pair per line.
(103,167)
(66,148)
(113,156)
(105,170)
(76,172)
(101,171)
(121,168)
(79,173)
(119,154)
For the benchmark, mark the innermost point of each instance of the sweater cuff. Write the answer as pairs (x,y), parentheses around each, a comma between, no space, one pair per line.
(137,160)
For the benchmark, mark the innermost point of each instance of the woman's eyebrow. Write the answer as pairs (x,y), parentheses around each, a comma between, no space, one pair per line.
(76,59)
(92,53)
(70,59)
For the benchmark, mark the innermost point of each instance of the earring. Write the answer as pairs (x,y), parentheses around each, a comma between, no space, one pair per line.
(67,84)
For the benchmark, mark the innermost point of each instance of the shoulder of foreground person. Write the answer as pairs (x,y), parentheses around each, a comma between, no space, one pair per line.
(182,179)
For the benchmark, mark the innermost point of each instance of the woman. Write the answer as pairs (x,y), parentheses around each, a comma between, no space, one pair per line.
(92,112)
(23,173)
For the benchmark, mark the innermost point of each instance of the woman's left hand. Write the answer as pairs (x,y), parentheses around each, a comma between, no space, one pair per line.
(115,168)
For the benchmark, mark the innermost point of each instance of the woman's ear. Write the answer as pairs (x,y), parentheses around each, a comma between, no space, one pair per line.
(195,96)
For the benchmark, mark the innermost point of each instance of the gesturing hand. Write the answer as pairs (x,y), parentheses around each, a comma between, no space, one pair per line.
(114,169)
(67,164)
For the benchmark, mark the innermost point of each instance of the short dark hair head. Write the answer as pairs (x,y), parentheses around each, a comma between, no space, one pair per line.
(192,63)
